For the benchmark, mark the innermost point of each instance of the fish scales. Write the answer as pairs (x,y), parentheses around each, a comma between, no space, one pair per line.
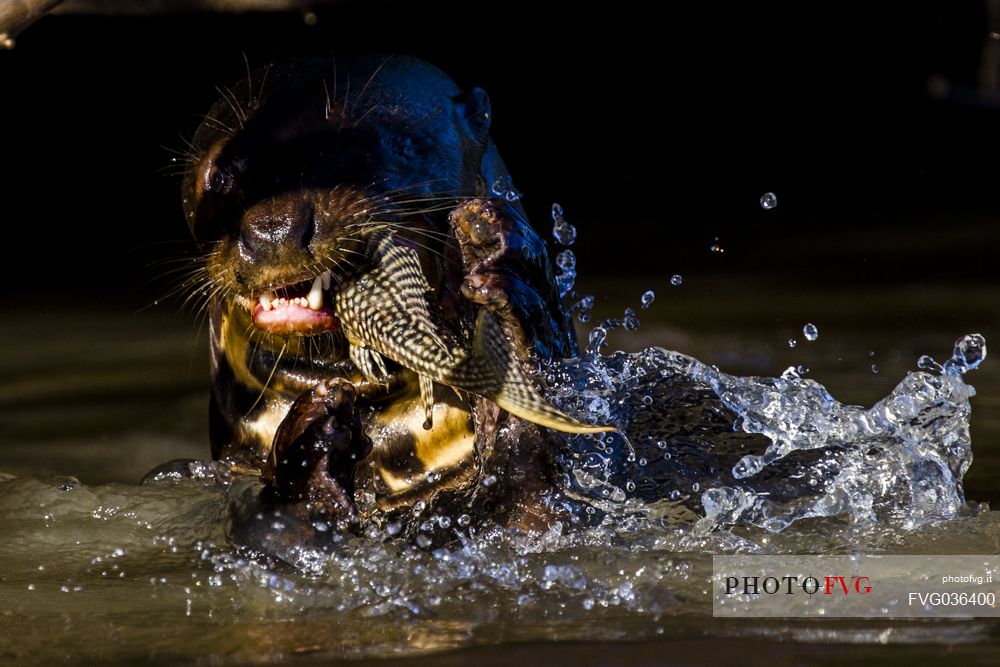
(385,312)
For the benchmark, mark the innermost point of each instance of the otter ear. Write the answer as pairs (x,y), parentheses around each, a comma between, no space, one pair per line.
(475,113)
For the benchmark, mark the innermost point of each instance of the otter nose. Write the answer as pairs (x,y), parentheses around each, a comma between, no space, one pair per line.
(276,227)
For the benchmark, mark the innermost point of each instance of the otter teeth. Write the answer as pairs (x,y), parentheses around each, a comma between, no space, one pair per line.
(326,278)
(315,298)
(266,300)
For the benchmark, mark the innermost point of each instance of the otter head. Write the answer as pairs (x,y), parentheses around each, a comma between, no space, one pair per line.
(297,162)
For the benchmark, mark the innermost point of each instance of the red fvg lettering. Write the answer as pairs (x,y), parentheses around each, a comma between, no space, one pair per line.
(832,582)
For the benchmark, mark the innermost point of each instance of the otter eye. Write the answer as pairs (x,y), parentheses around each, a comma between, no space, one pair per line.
(209,177)
(218,180)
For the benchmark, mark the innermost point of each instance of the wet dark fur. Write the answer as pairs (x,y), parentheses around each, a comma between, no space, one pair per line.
(290,168)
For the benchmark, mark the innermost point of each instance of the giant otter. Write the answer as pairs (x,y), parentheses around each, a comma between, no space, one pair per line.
(293,168)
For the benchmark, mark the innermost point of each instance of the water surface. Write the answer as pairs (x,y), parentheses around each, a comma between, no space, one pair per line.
(99,569)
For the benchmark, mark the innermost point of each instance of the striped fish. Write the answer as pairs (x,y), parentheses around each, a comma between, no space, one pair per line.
(384,313)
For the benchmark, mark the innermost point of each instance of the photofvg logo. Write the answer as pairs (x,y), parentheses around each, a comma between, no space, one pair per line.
(855,586)
(787,584)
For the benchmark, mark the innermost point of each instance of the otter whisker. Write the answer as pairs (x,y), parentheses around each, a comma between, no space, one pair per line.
(410,233)
(233,103)
(327,109)
(251,99)
(263,82)
(357,122)
(364,89)
(430,234)
(375,226)
(217,124)
(347,94)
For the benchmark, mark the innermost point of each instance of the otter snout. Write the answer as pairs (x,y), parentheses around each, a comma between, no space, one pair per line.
(278,230)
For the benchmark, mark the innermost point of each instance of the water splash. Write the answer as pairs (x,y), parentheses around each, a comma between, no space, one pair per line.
(899,462)
(565,234)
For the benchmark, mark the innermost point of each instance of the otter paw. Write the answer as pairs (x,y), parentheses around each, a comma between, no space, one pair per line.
(507,273)
(481,227)
(316,449)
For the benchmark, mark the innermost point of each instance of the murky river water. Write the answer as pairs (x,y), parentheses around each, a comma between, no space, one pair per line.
(96,568)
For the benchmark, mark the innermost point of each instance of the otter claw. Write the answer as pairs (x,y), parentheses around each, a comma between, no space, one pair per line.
(508,273)
(316,449)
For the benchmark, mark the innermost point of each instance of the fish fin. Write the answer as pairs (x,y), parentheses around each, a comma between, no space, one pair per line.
(380,364)
(517,394)
(427,398)
(369,362)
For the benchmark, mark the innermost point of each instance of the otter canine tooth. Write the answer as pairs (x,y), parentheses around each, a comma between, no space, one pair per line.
(315,299)
(325,278)
(265,300)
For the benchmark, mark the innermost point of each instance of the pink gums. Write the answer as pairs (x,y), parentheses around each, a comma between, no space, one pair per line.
(291,318)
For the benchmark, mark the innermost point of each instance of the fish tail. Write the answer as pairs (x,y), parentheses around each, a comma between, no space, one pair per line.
(517,394)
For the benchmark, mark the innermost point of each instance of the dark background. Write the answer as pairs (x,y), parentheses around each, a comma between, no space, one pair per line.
(657,127)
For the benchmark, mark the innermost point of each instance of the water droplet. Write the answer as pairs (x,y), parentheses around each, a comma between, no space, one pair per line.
(557,211)
(564,281)
(875,368)
(596,340)
(630,320)
(926,362)
(810,332)
(801,369)
(695,487)
(792,342)
(504,187)
(563,232)
(630,485)
(566,260)
(464,520)
(489,481)
(584,316)
(969,352)
(768,201)
(717,248)
(647,298)
(871,353)
(676,279)
(423,541)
